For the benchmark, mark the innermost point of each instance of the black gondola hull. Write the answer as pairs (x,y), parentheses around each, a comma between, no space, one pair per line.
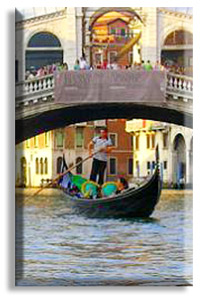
(139,202)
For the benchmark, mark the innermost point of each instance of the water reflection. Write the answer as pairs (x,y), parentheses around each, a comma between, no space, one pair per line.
(60,248)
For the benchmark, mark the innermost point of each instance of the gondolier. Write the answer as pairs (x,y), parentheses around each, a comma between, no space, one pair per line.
(103,145)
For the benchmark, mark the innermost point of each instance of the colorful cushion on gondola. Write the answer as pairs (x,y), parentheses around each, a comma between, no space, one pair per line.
(109,188)
(89,188)
(78,180)
(66,181)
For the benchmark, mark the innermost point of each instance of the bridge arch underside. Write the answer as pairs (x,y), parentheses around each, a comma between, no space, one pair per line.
(65,116)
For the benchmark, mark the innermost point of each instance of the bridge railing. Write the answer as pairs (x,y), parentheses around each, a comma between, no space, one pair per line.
(176,86)
(34,85)
(179,86)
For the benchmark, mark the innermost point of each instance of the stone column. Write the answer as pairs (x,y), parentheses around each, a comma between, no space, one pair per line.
(70,46)
(149,35)
(79,33)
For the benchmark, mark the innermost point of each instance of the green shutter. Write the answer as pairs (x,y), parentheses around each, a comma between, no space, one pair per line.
(79,137)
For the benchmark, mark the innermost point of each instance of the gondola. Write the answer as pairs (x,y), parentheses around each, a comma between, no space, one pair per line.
(133,202)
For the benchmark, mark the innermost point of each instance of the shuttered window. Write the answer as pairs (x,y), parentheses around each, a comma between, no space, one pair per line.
(79,137)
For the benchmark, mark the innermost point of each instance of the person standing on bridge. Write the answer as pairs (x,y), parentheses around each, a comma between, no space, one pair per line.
(148,67)
(103,145)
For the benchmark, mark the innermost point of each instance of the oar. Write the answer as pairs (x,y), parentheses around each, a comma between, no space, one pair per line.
(65,172)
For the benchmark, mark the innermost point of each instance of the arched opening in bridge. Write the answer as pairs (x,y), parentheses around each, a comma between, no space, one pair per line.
(43,49)
(133,156)
(179,161)
(115,36)
(177,49)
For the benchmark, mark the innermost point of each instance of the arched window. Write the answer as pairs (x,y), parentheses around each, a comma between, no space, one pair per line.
(23,171)
(45,166)
(79,168)
(44,39)
(43,49)
(41,166)
(179,37)
(36,166)
(177,50)
(179,160)
(59,164)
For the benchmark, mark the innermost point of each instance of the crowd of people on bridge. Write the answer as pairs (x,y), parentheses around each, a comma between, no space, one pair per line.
(82,64)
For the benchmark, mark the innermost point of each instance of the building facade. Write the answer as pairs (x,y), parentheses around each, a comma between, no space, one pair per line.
(130,34)
(39,159)
(34,160)
(175,150)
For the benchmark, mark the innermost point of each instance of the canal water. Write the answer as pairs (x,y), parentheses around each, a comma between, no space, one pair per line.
(57,248)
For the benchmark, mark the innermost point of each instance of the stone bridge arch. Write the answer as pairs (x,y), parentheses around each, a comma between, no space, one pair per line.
(57,117)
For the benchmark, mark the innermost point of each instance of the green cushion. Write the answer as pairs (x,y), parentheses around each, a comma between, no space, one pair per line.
(78,181)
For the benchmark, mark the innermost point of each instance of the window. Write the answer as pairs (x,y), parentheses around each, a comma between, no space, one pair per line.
(59,139)
(23,171)
(45,166)
(165,165)
(137,165)
(113,31)
(35,141)
(44,48)
(148,165)
(113,168)
(130,166)
(79,168)
(179,37)
(98,58)
(36,166)
(59,164)
(137,138)
(153,140)
(41,166)
(79,137)
(113,137)
(46,138)
(165,140)
(148,140)
(44,39)
(153,164)
(111,56)
(40,58)
(123,32)
(28,143)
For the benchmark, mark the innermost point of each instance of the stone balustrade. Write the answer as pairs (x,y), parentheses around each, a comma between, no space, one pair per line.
(177,87)
(34,85)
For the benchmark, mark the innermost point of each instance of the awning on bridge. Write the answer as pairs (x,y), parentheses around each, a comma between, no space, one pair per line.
(108,86)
